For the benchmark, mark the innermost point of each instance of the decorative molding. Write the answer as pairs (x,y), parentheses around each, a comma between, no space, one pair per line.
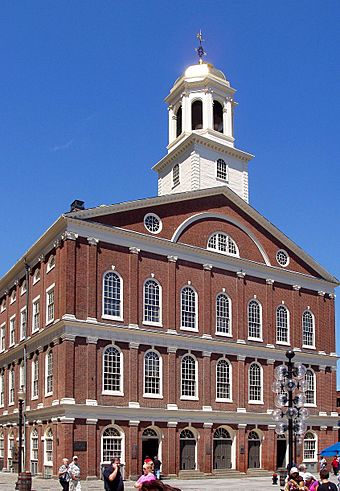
(92,241)
(67,235)
(241,274)
(207,267)
(172,259)
(134,250)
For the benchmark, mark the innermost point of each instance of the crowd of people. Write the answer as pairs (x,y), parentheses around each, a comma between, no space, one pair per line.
(300,480)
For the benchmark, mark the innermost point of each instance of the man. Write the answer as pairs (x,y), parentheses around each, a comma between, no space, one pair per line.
(112,476)
(74,470)
(64,476)
(325,484)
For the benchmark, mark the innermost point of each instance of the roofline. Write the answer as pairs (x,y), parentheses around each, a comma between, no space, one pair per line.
(41,246)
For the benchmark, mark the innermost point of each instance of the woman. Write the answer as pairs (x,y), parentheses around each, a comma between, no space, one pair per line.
(147,476)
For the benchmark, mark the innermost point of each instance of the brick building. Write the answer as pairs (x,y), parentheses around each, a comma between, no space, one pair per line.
(154,326)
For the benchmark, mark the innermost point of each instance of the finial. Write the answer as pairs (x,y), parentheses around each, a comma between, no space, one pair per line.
(200,51)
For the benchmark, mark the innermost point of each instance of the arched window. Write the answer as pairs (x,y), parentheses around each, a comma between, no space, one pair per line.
(221,242)
(282,324)
(254,320)
(179,121)
(152,374)
(310,389)
(223,380)
(112,295)
(223,314)
(196,115)
(48,447)
(35,377)
(310,447)
(49,373)
(189,377)
(112,445)
(308,329)
(255,383)
(188,308)
(2,444)
(112,371)
(152,302)
(34,451)
(218,116)
(175,175)
(221,170)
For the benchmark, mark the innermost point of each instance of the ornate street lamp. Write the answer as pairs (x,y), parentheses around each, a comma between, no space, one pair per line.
(289,387)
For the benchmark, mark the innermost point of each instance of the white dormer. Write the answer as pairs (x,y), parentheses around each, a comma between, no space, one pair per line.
(201,151)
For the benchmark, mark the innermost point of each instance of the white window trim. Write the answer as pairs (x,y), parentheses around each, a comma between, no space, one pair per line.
(251,338)
(2,326)
(195,397)
(36,278)
(33,398)
(21,333)
(48,394)
(224,334)
(10,330)
(114,317)
(224,399)
(223,252)
(48,322)
(119,392)
(146,394)
(149,323)
(283,343)
(48,265)
(185,328)
(251,401)
(36,299)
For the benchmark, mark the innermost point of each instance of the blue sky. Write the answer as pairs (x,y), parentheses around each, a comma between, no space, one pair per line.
(82,113)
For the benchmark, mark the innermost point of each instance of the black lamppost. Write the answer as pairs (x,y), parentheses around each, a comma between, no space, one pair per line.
(289,386)
(21,399)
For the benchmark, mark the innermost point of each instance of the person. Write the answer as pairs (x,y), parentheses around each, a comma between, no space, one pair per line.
(294,481)
(74,471)
(157,467)
(325,484)
(335,466)
(147,476)
(64,476)
(113,480)
(310,482)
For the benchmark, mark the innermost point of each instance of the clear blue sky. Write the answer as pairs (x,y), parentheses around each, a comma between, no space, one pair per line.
(82,113)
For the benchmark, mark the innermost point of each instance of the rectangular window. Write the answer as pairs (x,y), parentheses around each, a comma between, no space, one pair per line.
(36,314)
(3,337)
(50,305)
(23,323)
(12,331)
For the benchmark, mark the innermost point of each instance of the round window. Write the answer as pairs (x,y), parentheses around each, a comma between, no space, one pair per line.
(152,223)
(282,258)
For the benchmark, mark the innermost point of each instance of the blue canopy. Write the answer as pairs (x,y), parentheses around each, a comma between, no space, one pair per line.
(332,450)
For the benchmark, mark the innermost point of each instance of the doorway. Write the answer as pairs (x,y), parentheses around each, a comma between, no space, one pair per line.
(254,445)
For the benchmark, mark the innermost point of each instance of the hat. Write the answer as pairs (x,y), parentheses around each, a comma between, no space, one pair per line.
(308,476)
(293,470)
(74,457)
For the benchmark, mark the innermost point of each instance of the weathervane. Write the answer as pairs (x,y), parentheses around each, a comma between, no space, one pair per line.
(200,51)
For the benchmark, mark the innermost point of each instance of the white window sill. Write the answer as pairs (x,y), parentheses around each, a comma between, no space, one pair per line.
(259,340)
(224,334)
(189,398)
(153,396)
(307,346)
(256,402)
(112,317)
(223,400)
(190,329)
(155,324)
(112,393)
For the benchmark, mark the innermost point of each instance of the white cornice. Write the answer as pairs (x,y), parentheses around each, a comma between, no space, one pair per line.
(197,255)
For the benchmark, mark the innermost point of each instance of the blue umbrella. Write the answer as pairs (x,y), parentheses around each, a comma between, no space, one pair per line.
(332,450)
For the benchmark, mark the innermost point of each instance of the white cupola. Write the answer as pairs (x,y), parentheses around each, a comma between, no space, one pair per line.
(201,151)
